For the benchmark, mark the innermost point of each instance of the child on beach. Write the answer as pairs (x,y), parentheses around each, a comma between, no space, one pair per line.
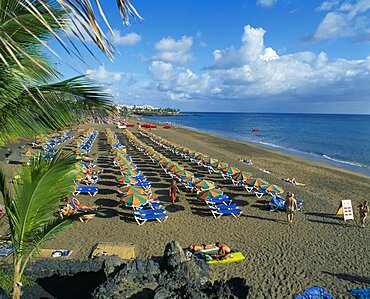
(364,210)
(173,191)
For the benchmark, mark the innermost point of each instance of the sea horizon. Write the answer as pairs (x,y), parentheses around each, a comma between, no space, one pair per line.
(334,144)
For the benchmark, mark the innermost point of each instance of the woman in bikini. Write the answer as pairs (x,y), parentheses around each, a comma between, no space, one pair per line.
(364,210)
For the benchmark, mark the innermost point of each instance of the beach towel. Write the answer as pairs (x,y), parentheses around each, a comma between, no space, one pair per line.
(360,293)
(314,293)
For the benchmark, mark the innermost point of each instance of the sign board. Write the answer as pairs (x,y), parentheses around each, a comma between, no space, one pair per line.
(347,210)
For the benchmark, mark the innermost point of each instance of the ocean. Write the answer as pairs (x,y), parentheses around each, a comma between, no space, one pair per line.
(339,140)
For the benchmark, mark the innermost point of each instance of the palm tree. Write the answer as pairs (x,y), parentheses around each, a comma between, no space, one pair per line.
(32,97)
(29,207)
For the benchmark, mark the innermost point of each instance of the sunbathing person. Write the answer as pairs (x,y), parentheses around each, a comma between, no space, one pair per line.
(195,248)
(67,211)
(293,181)
(86,179)
(224,251)
(76,203)
(2,210)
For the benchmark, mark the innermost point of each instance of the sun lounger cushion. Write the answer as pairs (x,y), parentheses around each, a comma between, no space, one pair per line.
(314,293)
(360,293)
(92,190)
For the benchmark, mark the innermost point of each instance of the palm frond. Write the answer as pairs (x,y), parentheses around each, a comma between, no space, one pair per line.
(38,197)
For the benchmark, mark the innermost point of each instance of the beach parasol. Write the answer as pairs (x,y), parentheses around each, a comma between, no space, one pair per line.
(126,190)
(183,174)
(214,162)
(205,185)
(129,172)
(81,151)
(176,168)
(222,165)
(210,193)
(230,170)
(134,200)
(257,183)
(126,180)
(192,180)
(30,154)
(242,176)
(273,188)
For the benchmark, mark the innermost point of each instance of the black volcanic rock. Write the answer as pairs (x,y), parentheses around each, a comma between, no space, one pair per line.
(176,276)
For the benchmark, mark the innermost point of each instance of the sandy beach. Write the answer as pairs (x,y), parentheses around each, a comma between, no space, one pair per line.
(281,260)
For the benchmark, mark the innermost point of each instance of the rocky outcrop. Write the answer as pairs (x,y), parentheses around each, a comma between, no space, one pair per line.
(174,276)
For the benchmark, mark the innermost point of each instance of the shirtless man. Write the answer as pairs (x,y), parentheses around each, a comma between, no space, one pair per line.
(291,206)
(195,248)
(224,251)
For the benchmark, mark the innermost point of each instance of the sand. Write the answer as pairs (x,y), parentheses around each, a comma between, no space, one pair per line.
(281,260)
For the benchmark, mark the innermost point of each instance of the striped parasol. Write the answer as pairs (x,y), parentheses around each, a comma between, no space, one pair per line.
(210,193)
(134,200)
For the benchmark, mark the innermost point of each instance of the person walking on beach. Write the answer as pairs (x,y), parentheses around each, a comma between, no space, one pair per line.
(364,210)
(173,191)
(291,206)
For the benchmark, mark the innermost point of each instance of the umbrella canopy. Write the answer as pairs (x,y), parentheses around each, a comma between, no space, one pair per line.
(129,172)
(81,151)
(183,174)
(214,162)
(30,154)
(257,183)
(126,190)
(126,180)
(192,180)
(134,200)
(230,170)
(207,194)
(176,168)
(222,165)
(127,166)
(205,185)
(273,188)
(164,161)
(242,176)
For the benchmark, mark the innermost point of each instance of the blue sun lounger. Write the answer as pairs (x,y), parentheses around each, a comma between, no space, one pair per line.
(278,203)
(219,211)
(143,184)
(5,249)
(141,217)
(360,293)
(150,205)
(314,293)
(151,211)
(91,190)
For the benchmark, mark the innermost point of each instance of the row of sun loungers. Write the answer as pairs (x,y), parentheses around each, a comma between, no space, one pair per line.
(144,208)
(219,206)
(239,178)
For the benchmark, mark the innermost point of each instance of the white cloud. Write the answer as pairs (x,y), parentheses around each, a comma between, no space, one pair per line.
(129,39)
(161,71)
(328,5)
(174,51)
(266,3)
(254,70)
(345,19)
(103,76)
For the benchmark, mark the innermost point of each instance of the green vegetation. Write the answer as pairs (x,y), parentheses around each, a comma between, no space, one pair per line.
(30,207)
(35,98)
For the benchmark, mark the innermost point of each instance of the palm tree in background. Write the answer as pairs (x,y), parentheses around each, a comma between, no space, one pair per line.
(33,98)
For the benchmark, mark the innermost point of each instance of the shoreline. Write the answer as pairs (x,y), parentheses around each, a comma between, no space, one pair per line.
(343,165)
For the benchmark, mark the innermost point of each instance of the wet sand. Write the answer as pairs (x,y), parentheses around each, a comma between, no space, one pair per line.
(281,260)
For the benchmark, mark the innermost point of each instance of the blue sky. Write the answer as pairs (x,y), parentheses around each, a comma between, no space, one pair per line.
(252,56)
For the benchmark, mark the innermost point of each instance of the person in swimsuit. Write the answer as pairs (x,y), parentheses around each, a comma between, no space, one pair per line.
(173,191)
(224,251)
(291,206)
(364,210)
(195,248)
